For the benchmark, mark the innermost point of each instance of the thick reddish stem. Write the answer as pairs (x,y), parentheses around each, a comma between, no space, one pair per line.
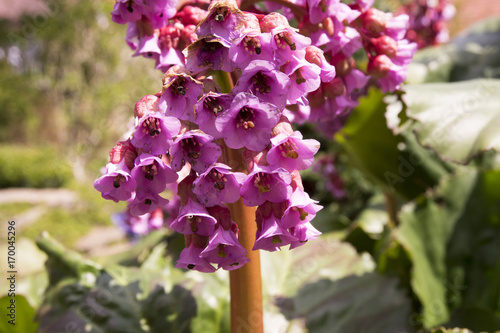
(245,282)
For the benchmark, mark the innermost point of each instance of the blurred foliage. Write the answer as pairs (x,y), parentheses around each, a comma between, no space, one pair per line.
(74,83)
(68,224)
(22,166)
(470,55)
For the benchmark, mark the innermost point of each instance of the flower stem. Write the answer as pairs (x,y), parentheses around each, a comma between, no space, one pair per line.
(245,282)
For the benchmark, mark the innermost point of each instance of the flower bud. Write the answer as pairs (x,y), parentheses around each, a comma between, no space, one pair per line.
(191,15)
(385,45)
(379,66)
(123,149)
(273,20)
(374,21)
(147,104)
(334,88)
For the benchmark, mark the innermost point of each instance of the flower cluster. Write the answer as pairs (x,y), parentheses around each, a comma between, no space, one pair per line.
(428,21)
(220,130)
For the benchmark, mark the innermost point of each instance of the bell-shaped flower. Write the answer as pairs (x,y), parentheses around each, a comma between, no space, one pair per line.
(263,80)
(265,183)
(301,209)
(303,233)
(154,133)
(194,219)
(146,202)
(190,259)
(270,236)
(196,148)
(247,123)
(251,46)
(152,174)
(209,107)
(116,184)
(292,152)
(224,250)
(223,20)
(304,77)
(179,94)
(218,184)
(208,53)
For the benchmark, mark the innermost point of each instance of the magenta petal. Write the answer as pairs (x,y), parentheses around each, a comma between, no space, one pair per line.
(190,259)
(194,218)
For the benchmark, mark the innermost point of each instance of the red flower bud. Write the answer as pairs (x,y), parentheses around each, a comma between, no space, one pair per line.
(121,150)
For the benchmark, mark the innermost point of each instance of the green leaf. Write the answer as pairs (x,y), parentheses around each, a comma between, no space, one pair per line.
(326,257)
(334,289)
(354,304)
(18,315)
(457,120)
(395,162)
(118,302)
(452,237)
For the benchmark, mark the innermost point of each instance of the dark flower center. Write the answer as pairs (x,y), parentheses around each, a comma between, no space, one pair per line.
(150,171)
(152,126)
(118,179)
(259,81)
(219,179)
(211,104)
(191,148)
(221,13)
(245,118)
(178,86)
(283,39)
(252,45)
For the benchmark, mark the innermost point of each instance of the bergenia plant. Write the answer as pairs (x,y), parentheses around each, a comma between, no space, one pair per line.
(219,132)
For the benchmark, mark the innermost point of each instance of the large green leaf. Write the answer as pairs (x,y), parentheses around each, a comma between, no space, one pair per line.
(457,120)
(453,239)
(369,303)
(396,162)
(17,315)
(334,289)
(82,296)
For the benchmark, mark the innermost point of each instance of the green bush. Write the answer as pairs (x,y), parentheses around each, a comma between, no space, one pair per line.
(22,166)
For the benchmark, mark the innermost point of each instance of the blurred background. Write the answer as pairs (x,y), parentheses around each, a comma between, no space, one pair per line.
(68,85)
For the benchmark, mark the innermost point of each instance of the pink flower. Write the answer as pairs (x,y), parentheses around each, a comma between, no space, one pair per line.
(266,184)
(190,259)
(301,209)
(210,107)
(117,184)
(292,152)
(196,148)
(194,218)
(154,133)
(218,184)
(247,123)
(263,80)
(225,250)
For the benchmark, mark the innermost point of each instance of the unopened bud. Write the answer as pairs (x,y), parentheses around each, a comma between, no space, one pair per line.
(374,21)
(385,45)
(191,15)
(147,104)
(296,180)
(273,20)
(334,88)
(123,150)
(379,66)
(283,126)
